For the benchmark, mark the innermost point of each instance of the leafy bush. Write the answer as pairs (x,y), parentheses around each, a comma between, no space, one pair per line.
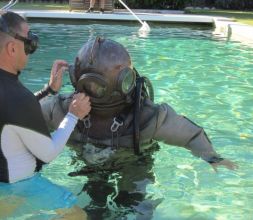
(181,4)
(234,4)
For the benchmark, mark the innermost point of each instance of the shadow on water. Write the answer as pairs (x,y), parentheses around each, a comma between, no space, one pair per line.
(118,190)
(122,22)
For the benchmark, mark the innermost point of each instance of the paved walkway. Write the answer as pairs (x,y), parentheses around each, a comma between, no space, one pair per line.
(120,15)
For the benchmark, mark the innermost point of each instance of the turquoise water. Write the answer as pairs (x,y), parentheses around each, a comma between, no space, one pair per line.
(203,77)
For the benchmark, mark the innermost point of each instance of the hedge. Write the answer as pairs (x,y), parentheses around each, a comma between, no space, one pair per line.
(181,4)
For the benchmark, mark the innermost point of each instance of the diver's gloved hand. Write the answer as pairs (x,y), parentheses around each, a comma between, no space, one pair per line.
(80,105)
(226,163)
(57,71)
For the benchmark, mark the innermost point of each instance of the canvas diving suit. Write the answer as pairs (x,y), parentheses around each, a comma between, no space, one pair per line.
(106,139)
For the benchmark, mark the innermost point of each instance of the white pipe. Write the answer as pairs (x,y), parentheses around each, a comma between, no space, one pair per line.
(9,5)
(145,27)
(131,12)
(6,6)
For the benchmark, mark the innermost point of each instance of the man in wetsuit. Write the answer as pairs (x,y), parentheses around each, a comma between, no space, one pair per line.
(25,141)
(121,132)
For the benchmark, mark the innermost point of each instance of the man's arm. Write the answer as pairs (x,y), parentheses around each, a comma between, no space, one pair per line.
(43,146)
(44,92)
(55,81)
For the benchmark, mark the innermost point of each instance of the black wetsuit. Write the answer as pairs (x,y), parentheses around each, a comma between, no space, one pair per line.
(25,142)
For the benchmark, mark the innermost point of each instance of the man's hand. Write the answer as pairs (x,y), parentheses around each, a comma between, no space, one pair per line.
(226,163)
(80,105)
(57,71)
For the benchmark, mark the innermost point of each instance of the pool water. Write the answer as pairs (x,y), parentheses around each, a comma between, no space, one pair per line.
(204,77)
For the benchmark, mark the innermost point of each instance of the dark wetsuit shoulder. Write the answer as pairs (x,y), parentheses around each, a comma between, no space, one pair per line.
(19,106)
(19,109)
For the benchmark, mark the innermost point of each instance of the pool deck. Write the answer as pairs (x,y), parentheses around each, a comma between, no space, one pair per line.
(122,15)
(225,27)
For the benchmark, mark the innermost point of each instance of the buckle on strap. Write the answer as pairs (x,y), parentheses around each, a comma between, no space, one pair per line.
(116,124)
(86,121)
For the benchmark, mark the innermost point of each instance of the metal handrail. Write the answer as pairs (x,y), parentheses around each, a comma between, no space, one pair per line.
(9,5)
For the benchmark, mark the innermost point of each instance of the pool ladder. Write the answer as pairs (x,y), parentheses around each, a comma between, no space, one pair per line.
(9,5)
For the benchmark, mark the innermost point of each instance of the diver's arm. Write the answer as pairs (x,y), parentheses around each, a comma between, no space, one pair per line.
(54,109)
(177,130)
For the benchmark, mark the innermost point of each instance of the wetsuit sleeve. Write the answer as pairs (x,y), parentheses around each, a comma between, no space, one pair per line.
(44,92)
(175,129)
(44,147)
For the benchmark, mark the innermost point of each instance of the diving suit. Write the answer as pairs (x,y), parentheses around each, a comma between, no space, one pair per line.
(117,139)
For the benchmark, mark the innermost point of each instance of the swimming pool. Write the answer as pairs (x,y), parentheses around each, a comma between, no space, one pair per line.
(203,77)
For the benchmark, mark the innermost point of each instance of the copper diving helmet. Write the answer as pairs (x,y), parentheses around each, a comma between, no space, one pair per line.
(103,70)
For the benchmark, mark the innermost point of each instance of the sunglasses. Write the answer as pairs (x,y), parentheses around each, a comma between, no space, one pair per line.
(30,43)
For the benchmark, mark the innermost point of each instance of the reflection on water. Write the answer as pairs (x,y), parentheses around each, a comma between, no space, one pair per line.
(205,78)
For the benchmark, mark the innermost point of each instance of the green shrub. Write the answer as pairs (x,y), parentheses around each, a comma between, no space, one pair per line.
(181,4)
(234,4)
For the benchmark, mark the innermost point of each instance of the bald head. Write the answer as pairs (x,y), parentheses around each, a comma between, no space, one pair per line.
(10,22)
